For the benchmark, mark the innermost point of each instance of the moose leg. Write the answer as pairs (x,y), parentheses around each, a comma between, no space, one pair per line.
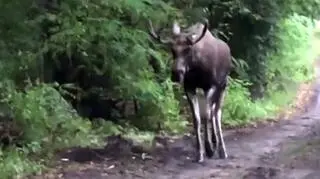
(194,104)
(210,130)
(217,114)
(209,146)
(214,135)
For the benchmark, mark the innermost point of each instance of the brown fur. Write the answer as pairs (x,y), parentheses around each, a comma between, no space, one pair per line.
(201,61)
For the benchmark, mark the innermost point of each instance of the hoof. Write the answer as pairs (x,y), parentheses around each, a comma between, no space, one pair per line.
(209,152)
(223,155)
(210,155)
(200,159)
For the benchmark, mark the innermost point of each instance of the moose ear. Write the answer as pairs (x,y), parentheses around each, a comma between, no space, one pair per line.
(176,28)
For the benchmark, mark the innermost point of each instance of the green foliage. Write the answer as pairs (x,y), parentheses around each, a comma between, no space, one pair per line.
(46,118)
(17,52)
(47,122)
(101,47)
(109,41)
(292,61)
(164,101)
(289,64)
(307,8)
(238,108)
(15,163)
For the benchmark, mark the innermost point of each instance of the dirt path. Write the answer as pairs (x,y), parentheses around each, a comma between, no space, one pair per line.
(289,149)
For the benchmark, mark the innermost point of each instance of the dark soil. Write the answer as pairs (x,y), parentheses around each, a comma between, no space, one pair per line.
(288,149)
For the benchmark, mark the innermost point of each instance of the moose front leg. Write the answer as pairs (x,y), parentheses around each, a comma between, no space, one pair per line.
(194,104)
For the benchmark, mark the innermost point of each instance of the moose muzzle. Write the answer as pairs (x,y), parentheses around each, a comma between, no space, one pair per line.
(177,76)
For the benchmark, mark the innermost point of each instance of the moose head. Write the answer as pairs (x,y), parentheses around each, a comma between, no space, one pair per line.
(181,45)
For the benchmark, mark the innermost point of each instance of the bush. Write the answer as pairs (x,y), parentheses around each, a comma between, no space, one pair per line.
(46,118)
(47,123)
(14,163)
(289,64)
(238,108)
(293,56)
(110,45)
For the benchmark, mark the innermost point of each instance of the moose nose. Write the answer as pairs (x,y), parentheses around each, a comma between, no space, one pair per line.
(177,76)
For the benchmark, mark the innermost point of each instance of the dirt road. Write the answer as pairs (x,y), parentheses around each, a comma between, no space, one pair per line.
(289,149)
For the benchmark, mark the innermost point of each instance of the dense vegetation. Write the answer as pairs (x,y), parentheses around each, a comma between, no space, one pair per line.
(75,71)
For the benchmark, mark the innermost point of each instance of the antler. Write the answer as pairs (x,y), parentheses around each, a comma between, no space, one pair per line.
(204,30)
(156,36)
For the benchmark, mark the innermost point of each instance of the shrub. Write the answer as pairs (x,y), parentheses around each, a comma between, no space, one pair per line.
(47,123)
(238,108)
(289,63)
(46,118)
(293,56)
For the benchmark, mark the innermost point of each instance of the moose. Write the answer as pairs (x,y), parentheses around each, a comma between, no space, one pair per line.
(201,61)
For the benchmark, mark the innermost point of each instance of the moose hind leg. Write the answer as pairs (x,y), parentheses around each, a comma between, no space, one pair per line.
(214,135)
(208,140)
(194,104)
(217,114)
(210,143)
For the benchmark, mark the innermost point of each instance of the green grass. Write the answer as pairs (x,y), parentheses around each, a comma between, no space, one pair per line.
(16,163)
(288,66)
